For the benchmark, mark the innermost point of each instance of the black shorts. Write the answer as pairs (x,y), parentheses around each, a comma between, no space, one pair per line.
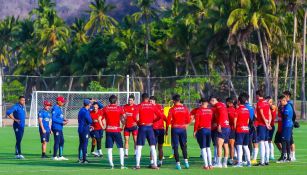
(271,133)
(159,135)
(232,134)
(278,138)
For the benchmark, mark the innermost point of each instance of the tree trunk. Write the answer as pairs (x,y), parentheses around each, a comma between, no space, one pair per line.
(293,50)
(267,78)
(276,80)
(246,63)
(147,38)
(286,73)
(295,83)
(303,98)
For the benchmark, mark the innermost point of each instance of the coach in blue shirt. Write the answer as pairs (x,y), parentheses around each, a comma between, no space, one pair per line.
(287,125)
(18,114)
(58,121)
(84,125)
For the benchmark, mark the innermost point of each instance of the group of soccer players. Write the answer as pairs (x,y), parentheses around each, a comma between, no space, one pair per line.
(236,128)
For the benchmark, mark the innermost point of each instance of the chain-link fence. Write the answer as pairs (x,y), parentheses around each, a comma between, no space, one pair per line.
(191,88)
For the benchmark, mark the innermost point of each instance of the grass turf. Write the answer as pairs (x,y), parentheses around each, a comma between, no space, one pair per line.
(33,164)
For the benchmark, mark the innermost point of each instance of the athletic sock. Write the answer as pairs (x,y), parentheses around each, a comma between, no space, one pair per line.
(262,152)
(153,154)
(215,155)
(186,161)
(209,156)
(122,156)
(247,153)
(225,160)
(110,156)
(271,149)
(240,153)
(267,152)
(126,152)
(255,154)
(138,155)
(204,156)
(219,160)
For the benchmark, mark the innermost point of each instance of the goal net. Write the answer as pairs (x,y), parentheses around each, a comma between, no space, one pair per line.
(74,101)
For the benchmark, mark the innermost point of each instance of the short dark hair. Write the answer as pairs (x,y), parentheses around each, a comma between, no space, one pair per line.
(203,100)
(242,99)
(95,103)
(176,98)
(20,97)
(288,93)
(260,93)
(281,97)
(213,96)
(131,96)
(145,96)
(229,100)
(113,99)
(153,98)
(268,97)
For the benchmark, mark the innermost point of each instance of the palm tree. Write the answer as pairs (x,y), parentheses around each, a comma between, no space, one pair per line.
(99,20)
(303,98)
(79,32)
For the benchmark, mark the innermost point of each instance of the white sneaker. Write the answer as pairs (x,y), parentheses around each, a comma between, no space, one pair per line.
(21,157)
(123,167)
(94,154)
(17,157)
(55,158)
(218,166)
(62,158)
(224,165)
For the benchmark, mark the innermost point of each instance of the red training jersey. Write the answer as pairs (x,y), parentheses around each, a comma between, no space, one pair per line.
(273,113)
(231,115)
(203,118)
(213,122)
(178,116)
(160,123)
(131,115)
(279,124)
(221,115)
(242,115)
(112,114)
(148,113)
(95,115)
(265,106)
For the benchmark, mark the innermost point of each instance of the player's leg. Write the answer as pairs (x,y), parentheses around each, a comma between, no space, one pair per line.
(160,146)
(231,147)
(271,145)
(261,131)
(80,153)
(214,141)
(292,154)
(109,146)
(175,143)
(44,141)
(246,149)
(220,143)
(126,136)
(254,141)
(239,145)
(98,140)
(226,132)
(18,135)
(61,146)
(94,142)
(120,146)
(201,139)
(135,134)
(267,147)
(139,145)
(56,144)
(150,135)
(208,149)
(183,146)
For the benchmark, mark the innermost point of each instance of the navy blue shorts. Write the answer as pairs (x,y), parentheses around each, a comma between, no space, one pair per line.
(213,137)
(145,132)
(253,135)
(232,134)
(278,138)
(179,135)
(97,134)
(159,135)
(224,135)
(44,137)
(271,133)
(286,133)
(242,138)
(133,130)
(262,133)
(112,137)
(203,137)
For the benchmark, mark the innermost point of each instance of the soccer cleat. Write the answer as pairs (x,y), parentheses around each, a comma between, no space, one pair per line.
(55,158)
(171,156)
(137,168)
(126,156)
(79,161)
(150,165)
(154,167)
(159,165)
(225,165)
(178,167)
(21,157)
(112,167)
(206,168)
(85,162)
(239,165)
(272,158)
(288,159)
(254,162)
(249,164)
(230,162)
(17,157)
(44,157)
(210,167)
(218,166)
(266,163)
(123,168)
(62,158)
(94,154)
(186,165)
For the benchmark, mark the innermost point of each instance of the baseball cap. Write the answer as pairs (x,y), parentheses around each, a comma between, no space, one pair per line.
(47,103)
(61,99)
(86,102)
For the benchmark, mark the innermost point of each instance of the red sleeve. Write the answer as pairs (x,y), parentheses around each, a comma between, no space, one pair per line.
(103,114)
(169,117)
(188,117)
(158,113)
(196,121)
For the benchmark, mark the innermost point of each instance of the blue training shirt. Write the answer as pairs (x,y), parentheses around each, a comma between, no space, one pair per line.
(57,118)
(46,117)
(287,116)
(251,111)
(19,113)
(84,120)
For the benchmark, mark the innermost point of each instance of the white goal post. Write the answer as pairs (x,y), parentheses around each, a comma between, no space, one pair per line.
(74,101)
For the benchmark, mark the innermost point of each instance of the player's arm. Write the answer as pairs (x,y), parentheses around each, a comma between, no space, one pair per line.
(9,113)
(100,121)
(56,119)
(169,120)
(235,119)
(196,118)
(40,121)
(218,120)
(50,123)
(88,118)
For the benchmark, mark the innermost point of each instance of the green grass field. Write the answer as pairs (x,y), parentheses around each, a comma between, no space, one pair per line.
(33,164)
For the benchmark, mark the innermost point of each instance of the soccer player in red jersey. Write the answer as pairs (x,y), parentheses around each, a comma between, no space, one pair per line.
(223,131)
(272,124)
(231,115)
(97,132)
(148,114)
(241,122)
(193,111)
(113,116)
(202,131)
(278,135)
(159,131)
(263,114)
(130,123)
(179,118)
